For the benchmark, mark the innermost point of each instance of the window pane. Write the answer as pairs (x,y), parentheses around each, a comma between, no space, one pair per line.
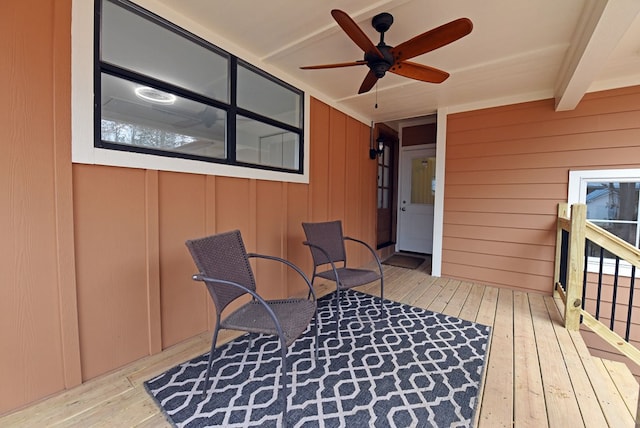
(262,144)
(135,43)
(268,98)
(154,119)
(422,175)
(626,231)
(612,201)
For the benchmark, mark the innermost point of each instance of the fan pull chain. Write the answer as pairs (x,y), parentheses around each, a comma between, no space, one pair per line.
(376,106)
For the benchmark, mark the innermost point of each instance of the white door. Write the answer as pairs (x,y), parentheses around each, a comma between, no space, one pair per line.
(416,198)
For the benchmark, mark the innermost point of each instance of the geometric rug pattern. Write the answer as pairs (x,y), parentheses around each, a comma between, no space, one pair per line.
(409,368)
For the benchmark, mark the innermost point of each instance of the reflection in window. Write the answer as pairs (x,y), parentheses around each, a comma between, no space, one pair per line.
(262,144)
(154,119)
(134,42)
(268,97)
(614,207)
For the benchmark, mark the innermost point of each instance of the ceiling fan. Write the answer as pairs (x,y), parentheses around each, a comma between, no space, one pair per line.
(381,58)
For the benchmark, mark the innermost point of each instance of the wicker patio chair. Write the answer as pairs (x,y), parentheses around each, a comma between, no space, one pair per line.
(327,245)
(224,267)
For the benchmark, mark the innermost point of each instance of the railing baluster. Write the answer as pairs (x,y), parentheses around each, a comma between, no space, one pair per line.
(599,298)
(615,294)
(631,286)
(587,244)
(563,259)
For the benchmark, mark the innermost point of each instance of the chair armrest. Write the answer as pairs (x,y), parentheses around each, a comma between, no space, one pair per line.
(288,263)
(326,256)
(256,296)
(371,250)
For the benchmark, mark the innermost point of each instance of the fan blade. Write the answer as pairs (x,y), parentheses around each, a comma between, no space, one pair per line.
(419,72)
(369,80)
(355,33)
(432,39)
(341,64)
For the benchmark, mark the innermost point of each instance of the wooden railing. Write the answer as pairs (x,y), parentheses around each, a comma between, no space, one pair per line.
(570,278)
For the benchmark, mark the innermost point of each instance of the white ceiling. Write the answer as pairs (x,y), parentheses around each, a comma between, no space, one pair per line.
(519,50)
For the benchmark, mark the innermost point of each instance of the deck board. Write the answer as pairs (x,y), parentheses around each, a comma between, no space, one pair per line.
(562,406)
(529,403)
(585,396)
(626,385)
(496,409)
(538,374)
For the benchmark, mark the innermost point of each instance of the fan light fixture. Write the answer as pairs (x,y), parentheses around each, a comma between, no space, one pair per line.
(154,95)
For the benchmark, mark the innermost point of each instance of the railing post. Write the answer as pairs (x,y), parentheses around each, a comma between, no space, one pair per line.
(575,268)
(563,211)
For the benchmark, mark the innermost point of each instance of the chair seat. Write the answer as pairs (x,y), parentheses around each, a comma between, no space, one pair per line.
(294,316)
(350,277)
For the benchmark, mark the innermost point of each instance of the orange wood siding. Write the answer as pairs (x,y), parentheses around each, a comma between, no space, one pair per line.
(337,164)
(507,168)
(95,273)
(319,168)
(111,243)
(182,213)
(297,197)
(38,319)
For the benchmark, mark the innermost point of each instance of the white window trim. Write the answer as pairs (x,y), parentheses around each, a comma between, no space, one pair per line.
(82,121)
(578,181)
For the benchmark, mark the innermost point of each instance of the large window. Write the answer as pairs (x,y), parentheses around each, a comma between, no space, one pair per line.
(161,90)
(612,198)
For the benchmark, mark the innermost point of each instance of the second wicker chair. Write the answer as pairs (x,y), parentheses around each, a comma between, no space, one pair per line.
(327,244)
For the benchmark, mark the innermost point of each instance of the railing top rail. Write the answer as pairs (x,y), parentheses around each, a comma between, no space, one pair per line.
(613,244)
(606,240)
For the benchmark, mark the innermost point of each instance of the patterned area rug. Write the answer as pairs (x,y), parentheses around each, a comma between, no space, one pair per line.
(410,368)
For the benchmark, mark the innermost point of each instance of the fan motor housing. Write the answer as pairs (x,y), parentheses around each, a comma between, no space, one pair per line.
(378,65)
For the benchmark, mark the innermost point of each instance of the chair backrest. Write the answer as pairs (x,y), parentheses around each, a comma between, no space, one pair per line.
(327,235)
(223,256)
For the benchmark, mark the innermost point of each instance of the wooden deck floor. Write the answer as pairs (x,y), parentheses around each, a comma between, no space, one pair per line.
(538,374)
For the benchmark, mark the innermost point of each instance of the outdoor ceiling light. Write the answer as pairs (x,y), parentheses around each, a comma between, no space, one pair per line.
(154,95)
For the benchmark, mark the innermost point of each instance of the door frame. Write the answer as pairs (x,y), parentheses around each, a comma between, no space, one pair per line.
(392,142)
(438,208)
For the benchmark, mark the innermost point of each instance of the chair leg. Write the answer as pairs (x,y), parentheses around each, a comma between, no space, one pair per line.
(337,308)
(205,387)
(317,343)
(283,381)
(381,296)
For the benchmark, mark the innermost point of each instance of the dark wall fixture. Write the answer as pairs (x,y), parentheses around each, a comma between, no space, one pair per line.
(375,148)
(376,151)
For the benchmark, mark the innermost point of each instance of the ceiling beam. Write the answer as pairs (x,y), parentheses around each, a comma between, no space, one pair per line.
(604,22)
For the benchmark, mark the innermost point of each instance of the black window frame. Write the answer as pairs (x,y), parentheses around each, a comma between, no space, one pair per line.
(231,108)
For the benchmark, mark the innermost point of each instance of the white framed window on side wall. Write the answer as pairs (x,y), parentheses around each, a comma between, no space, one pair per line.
(612,197)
